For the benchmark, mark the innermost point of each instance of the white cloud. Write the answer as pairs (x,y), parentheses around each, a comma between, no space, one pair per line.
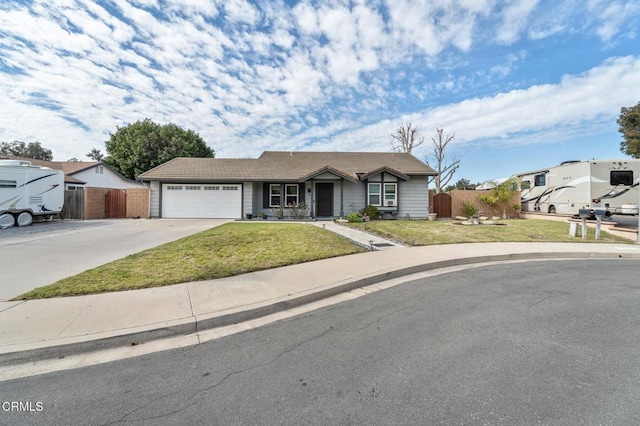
(307,19)
(575,105)
(615,17)
(240,11)
(250,75)
(514,16)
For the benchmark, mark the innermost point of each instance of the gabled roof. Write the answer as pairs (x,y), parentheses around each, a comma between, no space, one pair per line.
(326,169)
(350,163)
(387,170)
(296,166)
(206,169)
(71,179)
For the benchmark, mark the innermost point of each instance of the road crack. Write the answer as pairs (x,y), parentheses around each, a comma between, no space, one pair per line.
(196,393)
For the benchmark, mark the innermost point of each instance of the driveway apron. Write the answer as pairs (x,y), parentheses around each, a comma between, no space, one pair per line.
(44,253)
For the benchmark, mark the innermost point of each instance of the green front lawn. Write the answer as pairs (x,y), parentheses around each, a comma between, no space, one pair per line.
(422,233)
(231,249)
(238,248)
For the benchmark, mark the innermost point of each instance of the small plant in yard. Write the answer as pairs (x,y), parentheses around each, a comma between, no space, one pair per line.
(489,201)
(298,211)
(371,211)
(469,209)
(278,212)
(500,196)
(354,217)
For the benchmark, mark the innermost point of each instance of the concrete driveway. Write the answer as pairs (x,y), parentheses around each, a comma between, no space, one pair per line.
(46,252)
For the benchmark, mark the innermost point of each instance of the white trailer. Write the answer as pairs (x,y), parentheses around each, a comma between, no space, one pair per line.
(27,191)
(610,185)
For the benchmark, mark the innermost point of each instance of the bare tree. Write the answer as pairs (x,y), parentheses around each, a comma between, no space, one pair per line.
(445,169)
(405,138)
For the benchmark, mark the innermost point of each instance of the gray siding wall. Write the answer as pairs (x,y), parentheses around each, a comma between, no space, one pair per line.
(154,199)
(413,198)
(256,200)
(247,198)
(354,196)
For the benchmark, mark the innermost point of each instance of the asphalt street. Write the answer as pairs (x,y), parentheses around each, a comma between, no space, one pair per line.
(549,342)
(626,220)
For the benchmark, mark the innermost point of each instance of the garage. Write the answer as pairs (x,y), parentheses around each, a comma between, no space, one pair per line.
(212,201)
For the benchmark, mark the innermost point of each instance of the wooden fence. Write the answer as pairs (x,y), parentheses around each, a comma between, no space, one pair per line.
(73,204)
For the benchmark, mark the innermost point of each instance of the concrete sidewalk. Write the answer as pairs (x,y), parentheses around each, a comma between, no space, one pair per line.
(52,328)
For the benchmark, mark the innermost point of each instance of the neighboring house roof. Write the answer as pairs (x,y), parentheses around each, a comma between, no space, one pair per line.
(490,184)
(71,179)
(296,166)
(69,168)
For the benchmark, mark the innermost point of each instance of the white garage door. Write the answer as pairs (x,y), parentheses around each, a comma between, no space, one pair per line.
(216,201)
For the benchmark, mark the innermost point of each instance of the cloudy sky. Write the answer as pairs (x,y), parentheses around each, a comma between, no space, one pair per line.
(522,84)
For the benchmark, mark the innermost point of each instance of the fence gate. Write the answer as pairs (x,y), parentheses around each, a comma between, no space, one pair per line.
(115,204)
(442,204)
(73,204)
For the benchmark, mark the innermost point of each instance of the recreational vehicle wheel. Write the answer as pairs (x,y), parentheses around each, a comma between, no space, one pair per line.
(6,221)
(552,209)
(24,219)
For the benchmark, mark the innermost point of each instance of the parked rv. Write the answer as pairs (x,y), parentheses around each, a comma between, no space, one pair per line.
(28,191)
(610,185)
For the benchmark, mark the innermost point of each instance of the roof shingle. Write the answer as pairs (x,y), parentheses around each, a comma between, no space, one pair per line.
(286,166)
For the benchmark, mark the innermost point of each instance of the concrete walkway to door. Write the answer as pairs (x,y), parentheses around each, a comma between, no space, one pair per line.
(364,239)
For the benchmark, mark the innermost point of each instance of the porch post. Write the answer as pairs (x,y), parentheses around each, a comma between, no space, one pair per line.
(313,196)
(341,197)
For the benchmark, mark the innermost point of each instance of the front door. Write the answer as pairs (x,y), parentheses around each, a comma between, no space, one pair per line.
(324,199)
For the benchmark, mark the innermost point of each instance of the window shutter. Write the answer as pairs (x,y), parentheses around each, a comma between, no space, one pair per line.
(302,197)
(265,195)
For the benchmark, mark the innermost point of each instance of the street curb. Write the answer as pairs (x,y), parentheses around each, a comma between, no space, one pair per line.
(203,322)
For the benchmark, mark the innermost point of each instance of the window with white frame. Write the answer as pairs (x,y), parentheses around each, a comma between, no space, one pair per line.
(291,197)
(384,195)
(373,195)
(390,194)
(275,191)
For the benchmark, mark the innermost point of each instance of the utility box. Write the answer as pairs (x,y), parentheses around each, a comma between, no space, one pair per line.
(573,229)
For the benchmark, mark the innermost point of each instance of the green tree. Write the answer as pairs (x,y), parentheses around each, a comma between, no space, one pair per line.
(629,127)
(501,195)
(143,145)
(31,150)
(461,184)
(95,154)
